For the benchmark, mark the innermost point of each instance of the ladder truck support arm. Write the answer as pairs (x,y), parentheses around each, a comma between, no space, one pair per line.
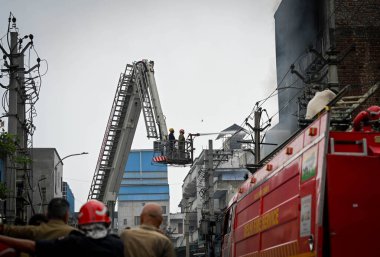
(136,92)
(160,118)
(123,149)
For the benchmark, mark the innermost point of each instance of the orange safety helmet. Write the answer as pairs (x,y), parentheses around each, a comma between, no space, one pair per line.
(93,212)
(182,131)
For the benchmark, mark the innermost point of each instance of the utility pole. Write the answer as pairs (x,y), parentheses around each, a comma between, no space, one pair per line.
(18,120)
(187,228)
(210,215)
(210,172)
(257,131)
(16,174)
(22,169)
(11,171)
(256,139)
(332,75)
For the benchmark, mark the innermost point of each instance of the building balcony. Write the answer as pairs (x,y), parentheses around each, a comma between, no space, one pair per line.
(221,188)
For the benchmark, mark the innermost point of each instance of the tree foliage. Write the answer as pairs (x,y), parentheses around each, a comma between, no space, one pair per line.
(9,149)
(8,145)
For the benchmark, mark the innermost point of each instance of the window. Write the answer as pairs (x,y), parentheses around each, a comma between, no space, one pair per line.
(43,195)
(164,221)
(137,220)
(125,222)
(180,228)
(163,209)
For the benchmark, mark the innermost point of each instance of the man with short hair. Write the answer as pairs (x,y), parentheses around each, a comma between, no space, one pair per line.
(147,240)
(56,227)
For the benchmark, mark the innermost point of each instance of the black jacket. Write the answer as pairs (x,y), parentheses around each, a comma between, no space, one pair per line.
(77,244)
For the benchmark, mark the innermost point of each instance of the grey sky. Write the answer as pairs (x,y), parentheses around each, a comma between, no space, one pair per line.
(213,60)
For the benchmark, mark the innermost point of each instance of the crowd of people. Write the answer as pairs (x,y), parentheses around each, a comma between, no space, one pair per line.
(50,235)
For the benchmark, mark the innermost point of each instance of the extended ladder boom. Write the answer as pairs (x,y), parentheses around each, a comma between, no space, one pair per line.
(136,91)
(153,114)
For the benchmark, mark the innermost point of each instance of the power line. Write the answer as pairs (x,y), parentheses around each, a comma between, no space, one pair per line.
(319,33)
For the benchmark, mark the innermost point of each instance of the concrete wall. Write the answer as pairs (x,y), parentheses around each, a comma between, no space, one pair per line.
(176,229)
(129,212)
(47,177)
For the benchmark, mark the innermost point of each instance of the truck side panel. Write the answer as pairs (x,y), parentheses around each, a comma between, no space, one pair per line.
(267,216)
(319,196)
(278,215)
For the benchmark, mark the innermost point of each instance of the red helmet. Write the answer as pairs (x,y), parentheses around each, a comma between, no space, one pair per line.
(93,212)
(181,131)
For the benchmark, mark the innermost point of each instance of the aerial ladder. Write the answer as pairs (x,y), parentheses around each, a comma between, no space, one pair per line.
(136,92)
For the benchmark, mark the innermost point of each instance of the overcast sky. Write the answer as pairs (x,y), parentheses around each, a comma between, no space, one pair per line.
(213,59)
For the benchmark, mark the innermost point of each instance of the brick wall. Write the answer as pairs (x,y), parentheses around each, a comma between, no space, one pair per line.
(358,22)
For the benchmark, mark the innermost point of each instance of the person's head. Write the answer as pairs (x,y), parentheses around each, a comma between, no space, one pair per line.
(58,209)
(182,131)
(93,211)
(171,130)
(37,219)
(151,215)
(93,219)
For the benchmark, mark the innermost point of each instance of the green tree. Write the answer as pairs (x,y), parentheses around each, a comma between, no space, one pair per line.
(8,145)
(8,149)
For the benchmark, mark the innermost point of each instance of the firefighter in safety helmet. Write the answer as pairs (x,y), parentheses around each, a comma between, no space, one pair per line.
(171,134)
(93,239)
(171,141)
(181,143)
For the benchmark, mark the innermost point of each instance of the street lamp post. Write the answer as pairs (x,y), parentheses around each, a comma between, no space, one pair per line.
(61,161)
(67,156)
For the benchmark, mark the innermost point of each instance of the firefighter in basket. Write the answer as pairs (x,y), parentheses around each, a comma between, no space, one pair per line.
(181,143)
(171,142)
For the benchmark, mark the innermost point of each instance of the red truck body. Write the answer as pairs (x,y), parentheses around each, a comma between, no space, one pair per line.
(318,196)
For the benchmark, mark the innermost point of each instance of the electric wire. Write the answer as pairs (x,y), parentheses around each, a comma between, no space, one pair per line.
(29,93)
(286,105)
(319,33)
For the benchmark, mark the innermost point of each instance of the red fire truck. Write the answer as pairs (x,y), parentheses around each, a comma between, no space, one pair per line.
(318,196)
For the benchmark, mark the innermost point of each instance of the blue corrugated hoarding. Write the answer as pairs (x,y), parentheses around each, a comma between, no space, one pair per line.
(144,180)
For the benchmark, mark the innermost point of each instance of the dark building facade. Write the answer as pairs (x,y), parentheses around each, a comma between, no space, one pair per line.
(310,36)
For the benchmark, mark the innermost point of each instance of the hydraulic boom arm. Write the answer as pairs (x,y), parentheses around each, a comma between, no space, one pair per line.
(136,91)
